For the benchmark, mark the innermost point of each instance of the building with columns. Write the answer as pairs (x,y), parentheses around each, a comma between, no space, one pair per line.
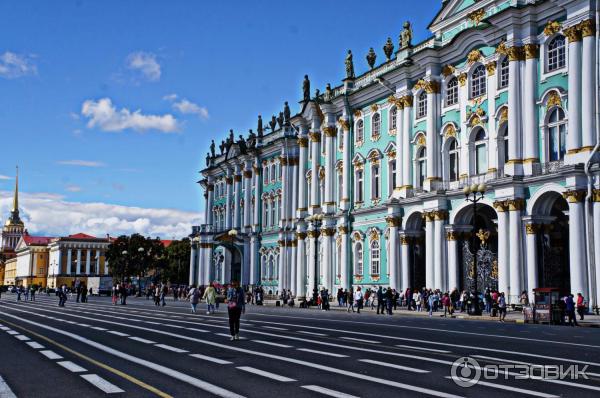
(364,185)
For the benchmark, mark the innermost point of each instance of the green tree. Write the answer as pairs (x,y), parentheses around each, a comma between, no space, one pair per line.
(178,261)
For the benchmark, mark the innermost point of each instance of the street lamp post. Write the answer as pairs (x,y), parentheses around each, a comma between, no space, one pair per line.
(474,194)
(124,253)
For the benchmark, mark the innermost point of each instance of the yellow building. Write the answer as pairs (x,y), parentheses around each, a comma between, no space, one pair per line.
(10,271)
(32,260)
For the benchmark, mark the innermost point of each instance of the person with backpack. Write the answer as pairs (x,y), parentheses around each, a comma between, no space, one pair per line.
(235,307)
(194,296)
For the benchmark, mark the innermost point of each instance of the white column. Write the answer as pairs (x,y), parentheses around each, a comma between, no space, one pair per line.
(329,200)
(257,196)
(347,164)
(293,265)
(210,195)
(406,136)
(577,256)
(78,261)
(503,237)
(440,245)
(295,188)
(433,154)
(453,270)
(302,163)
(248,197)
(69,261)
(58,269)
(588,82)
(88,260)
(596,300)
(313,237)
(429,251)
(344,258)
(393,263)
(328,253)
(237,178)
(574,108)
(254,261)
(399,182)
(193,265)
(207,267)
(532,264)
(315,141)
(515,242)
(301,261)
(229,200)
(281,264)
(492,131)
(514,165)
(530,120)
(246,259)
(405,261)
(285,188)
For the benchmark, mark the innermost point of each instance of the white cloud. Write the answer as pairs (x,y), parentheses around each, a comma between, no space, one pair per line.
(187,107)
(52,215)
(16,65)
(73,188)
(104,115)
(144,63)
(3,177)
(82,163)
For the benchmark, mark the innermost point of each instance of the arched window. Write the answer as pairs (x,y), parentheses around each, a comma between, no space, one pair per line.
(393,114)
(278,213)
(376,125)
(480,152)
(478,82)
(504,71)
(503,152)
(263,271)
(340,186)
(375,181)
(557,131)
(358,189)
(358,258)
(375,257)
(452,92)
(391,176)
(453,160)
(273,172)
(273,212)
(271,267)
(556,53)
(421,166)
(422,105)
(360,131)
(266,213)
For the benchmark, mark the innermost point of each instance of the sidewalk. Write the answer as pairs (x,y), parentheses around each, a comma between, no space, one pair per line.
(511,316)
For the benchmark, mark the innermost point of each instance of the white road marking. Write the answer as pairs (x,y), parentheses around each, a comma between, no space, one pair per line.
(153,323)
(423,348)
(198,330)
(274,328)
(102,384)
(50,354)
(170,348)
(264,373)
(210,359)
(273,344)
(228,335)
(99,328)
(513,389)
(211,388)
(312,333)
(393,365)
(34,344)
(141,340)
(328,392)
(4,328)
(331,354)
(118,333)
(361,340)
(72,366)
(85,325)
(511,361)
(5,391)
(13,332)
(21,337)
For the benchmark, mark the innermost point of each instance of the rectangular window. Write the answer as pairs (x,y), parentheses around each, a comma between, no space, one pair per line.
(358,194)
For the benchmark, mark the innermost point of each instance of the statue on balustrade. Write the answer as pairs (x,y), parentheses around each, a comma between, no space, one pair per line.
(406,36)
(259,128)
(212,148)
(287,114)
(349,66)
(306,89)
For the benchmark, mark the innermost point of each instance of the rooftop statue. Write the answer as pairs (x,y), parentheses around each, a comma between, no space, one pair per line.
(222,146)
(349,66)
(280,120)
(406,35)
(212,148)
(388,49)
(207,159)
(371,58)
(251,139)
(231,138)
(259,128)
(306,89)
(328,92)
(273,123)
(286,114)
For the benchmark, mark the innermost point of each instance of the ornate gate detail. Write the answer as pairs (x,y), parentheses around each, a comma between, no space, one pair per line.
(485,271)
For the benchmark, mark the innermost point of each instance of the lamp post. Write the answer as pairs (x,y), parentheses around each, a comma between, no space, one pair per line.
(124,253)
(474,194)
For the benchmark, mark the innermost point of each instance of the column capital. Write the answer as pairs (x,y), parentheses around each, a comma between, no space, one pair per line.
(515,53)
(228,180)
(237,178)
(206,245)
(315,136)
(329,131)
(328,231)
(440,215)
(313,234)
(247,173)
(532,51)
(596,195)
(501,206)
(588,28)
(452,235)
(573,33)
(342,230)
(491,68)
(392,221)
(574,195)
(210,187)
(301,235)
(404,240)
(407,100)
(428,216)
(531,228)
(430,86)
(516,204)
(396,101)
(303,142)
(462,79)
(344,124)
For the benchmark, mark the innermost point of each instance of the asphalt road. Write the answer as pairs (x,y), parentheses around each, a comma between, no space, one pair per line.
(140,350)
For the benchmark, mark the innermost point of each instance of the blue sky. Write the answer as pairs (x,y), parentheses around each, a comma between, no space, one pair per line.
(73,74)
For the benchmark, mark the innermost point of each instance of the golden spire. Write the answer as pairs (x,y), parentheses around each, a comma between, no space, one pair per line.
(16,197)
(14,219)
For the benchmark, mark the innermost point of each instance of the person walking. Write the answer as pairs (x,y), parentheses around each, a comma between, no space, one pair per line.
(580,306)
(194,297)
(380,301)
(501,307)
(32,294)
(358,298)
(235,307)
(350,300)
(164,291)
(389,296)
(83,293)
(157,295)
(570,310)
(210,295)
(115,290)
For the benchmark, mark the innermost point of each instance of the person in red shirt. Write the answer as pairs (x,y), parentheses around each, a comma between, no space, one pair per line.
(580,306)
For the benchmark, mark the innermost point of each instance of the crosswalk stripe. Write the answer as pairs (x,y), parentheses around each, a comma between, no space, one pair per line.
(13,332)
(72,366)
(198,330)
(5,391)
(273,344)
(98,328)
(102,384)
(118,333)
(264,373)
(141,340)
(228,335)
(21,337)
(34,344)
(274,328)
(170,348)
(329,392)
(331,354)
(508,388)
(210,359)
(423,348)
(312,333)
(360,340)
(50,354)
(392,365)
